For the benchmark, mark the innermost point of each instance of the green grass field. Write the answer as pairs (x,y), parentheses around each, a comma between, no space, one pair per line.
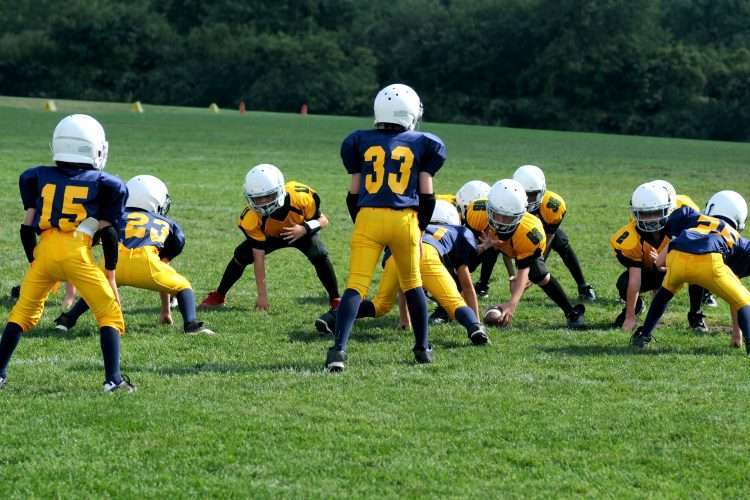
(540,412)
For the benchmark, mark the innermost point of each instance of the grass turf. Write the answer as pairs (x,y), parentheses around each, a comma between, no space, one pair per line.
(540,412)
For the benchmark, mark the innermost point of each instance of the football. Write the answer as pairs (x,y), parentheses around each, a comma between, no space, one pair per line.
(496,316)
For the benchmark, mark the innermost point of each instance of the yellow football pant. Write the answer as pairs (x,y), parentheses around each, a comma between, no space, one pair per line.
(707,270)
(142,268)
(67,256)
(437,280)
(375,229)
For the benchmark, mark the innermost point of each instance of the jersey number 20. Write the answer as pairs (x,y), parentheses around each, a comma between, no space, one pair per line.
(397,182)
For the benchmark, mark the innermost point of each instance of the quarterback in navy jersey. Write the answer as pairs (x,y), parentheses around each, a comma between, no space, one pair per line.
(391,201)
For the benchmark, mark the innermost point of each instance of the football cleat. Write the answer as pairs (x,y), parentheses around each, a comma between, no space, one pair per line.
(697,321)
(197,328)
(326,323)
(124,385)
(640,339)
(64,322)
(214,300)
(3,381)
(335,360)
(423,356)
(482,289)
(576,317)
(586,293)
(478,336)
(709,300)
(439,316)
(620,319)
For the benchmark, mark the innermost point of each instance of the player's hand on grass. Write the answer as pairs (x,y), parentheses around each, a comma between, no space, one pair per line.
(293,233)
(166,318)
(261,303)
(629,324)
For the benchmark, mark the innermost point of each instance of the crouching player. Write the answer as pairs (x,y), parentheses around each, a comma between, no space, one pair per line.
(279,215)
(550,208)
(391,201)
(520,236)
(150,241)
(66,205)
(447,246)
(696,254)
(636,246)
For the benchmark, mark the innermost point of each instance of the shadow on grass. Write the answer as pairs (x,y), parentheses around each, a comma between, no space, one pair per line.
(218,368)
(74,334)
(627,350)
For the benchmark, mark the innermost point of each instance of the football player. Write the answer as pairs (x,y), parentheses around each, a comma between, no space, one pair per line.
(149,241)
(66,205)
(446,245)
(550,208)
(391,201)
(469,192)
(520,236)
(696,254)
(636,246)
(279,215)
(679,201)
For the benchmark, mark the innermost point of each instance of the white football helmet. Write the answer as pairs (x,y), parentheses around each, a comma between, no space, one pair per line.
(472,190)
(506,205)
(80,139)
(729,205)
(445,213)
(650,206)
(264,188)
(148,193)
(532,179)
(398,104)
(670,191)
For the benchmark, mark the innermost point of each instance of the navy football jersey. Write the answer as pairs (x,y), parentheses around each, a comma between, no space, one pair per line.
(64,196)
(142,228)
(390,162)
(693,232)
(455,244)
(739,260)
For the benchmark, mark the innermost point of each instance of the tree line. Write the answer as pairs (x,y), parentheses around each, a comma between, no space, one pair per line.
(653,67)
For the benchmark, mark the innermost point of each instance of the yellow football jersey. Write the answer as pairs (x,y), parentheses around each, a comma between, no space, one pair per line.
(552,210)
(528,239)
(628,243)
(450,198)
(684,200)
(476,215)
(300,204)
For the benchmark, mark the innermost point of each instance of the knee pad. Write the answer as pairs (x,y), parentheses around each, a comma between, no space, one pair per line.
(537,271)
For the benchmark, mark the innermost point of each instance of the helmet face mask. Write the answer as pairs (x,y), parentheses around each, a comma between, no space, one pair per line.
(534,183)
(506,206)
(650,205)
(264,189)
